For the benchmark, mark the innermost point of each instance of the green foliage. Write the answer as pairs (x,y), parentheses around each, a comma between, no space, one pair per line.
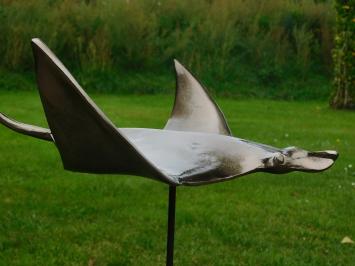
(228,43)
(344,56)
(49,216)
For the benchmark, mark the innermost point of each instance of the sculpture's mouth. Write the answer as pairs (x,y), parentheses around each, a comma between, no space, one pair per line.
(324,154)
(314,161)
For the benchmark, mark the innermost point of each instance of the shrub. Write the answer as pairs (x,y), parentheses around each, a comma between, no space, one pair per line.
(258,43)
(344,52)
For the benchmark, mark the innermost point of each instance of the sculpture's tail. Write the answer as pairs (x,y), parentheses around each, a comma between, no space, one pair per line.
(30,130)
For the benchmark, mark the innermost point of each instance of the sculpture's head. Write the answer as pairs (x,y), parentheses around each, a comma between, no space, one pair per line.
(296,159)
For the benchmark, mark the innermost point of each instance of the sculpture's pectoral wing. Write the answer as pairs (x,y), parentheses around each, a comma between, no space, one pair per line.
(194,109)
(86,139)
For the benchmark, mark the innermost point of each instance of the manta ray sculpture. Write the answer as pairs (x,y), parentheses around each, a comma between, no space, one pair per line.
(194,148)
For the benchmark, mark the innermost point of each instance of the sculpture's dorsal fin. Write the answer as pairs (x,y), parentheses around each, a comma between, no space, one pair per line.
(194,109)
(86,139)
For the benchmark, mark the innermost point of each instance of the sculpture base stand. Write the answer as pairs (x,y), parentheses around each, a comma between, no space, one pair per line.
(171,227)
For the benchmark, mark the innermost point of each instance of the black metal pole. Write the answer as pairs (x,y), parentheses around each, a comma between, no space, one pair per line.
(171,227)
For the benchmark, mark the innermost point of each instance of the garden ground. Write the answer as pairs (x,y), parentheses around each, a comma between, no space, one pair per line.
(49,216)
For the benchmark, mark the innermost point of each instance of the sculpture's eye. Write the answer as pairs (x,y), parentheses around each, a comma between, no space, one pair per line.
(278,159)
(289,151)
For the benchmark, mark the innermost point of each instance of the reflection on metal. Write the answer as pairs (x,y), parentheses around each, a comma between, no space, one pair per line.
(194,148)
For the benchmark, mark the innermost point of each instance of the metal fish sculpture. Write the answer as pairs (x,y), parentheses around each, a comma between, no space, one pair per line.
(195,147)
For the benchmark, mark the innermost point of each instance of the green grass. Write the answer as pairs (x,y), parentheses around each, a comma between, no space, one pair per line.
(52,217)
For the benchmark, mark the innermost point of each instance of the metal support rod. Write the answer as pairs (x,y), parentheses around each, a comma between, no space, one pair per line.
(171,227)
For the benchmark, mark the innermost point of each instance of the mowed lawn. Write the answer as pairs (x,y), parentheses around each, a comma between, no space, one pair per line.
(49,216)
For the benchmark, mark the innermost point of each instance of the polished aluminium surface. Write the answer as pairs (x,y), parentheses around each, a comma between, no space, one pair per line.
(196,146)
